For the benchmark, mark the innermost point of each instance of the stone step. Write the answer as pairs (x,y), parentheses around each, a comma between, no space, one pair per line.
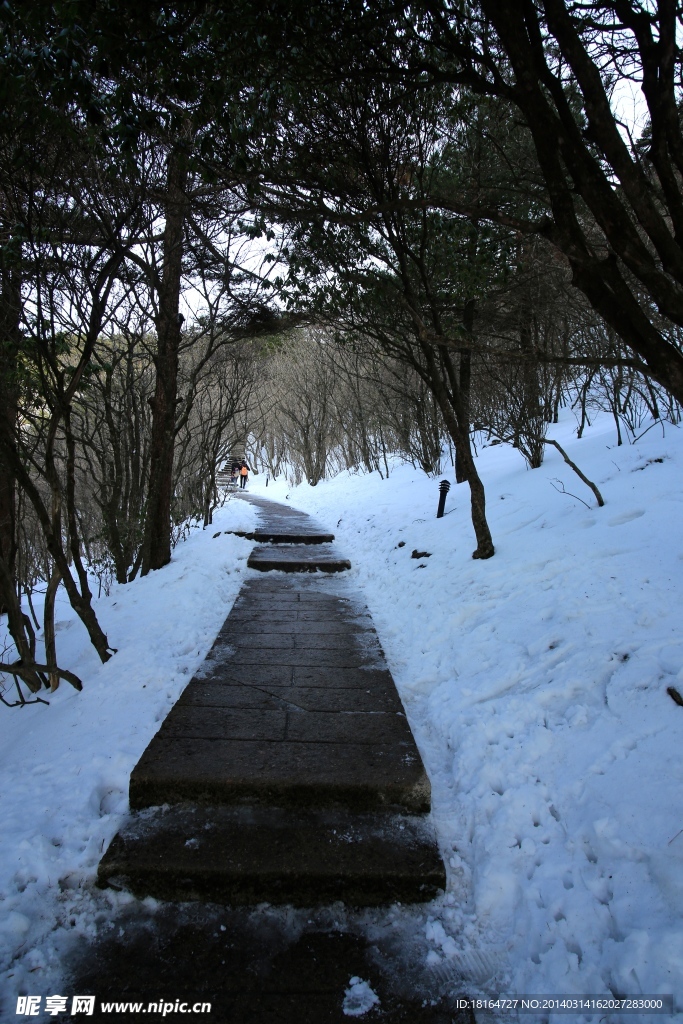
(284,536)
(334,772)
(296,558)
(251,855)
(279,520)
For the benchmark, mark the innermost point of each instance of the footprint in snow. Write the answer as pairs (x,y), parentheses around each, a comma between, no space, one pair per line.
(626,517)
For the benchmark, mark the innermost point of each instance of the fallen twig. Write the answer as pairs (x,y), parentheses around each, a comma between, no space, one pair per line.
(565,491)
(599,498)
(23,702)
(546,440)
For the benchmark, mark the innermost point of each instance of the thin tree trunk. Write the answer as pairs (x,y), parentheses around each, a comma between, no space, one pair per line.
(10,313)
(465,381)
(157,535)
(19,627)
(589,483)
(49,628)
(584,399)
(51,526)
(452,412)
(29,600)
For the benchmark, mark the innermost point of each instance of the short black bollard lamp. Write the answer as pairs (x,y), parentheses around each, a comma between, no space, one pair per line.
(444,488)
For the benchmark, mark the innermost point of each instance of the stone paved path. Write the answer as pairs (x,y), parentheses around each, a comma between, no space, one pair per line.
(285,774)
(283,524)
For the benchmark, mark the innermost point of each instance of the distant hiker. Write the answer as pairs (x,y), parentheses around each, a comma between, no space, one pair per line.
(244,474)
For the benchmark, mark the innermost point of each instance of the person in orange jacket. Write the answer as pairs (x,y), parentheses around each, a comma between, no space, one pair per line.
(244,474)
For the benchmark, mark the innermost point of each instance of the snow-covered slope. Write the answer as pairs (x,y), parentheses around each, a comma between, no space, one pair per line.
(536,684)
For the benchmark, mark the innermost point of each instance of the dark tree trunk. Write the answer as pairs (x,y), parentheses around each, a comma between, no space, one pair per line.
(157,535)
(531,426)
(465,381)
(20,629)
(10,312)
(463,447)
(450,404)
(49,628)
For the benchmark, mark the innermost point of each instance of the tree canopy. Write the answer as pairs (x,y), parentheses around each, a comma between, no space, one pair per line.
(458,190)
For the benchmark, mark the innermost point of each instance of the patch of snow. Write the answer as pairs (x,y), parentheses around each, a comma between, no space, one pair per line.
(359,998)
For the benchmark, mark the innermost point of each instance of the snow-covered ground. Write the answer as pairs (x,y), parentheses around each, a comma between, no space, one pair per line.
(65,768)
(535,682)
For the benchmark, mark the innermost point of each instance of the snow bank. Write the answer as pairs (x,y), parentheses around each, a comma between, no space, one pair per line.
(536,684)
(65,768)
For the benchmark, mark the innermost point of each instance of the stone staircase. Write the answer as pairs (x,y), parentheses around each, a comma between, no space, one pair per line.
(223,477)
(287,772)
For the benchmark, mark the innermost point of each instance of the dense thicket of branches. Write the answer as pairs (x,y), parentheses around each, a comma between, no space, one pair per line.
(451,201)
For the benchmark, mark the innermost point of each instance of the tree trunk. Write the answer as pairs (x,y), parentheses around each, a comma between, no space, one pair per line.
(465,380)
(10,313)
(485,548)
(49,628)
(20,630)
(454,415)
(157,534)
(532,422)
